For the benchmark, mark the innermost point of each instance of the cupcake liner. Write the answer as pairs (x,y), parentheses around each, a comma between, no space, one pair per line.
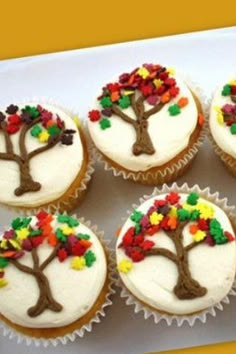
(80,190)
(11,333)
(179,319)
(167,174)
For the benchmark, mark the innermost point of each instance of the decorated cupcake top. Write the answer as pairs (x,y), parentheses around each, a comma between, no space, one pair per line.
(37,143)
(144,119)
(44,261)
(223,117)
(172,250)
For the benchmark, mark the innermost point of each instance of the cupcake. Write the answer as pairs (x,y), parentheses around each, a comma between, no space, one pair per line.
(222,124)
(54,276)
(176,254)
(147,125)
(44,158)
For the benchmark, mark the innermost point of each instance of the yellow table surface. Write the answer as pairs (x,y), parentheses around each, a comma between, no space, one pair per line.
(29,27)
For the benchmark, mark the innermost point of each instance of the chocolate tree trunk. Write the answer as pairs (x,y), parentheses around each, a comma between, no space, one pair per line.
(27,184)
(187,287)
(45,300)
(143,143)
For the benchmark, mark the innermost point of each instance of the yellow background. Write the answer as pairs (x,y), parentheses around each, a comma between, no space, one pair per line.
(31,27)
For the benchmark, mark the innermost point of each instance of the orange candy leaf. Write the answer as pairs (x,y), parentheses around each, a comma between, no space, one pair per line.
(85,243)
(8,254)
(193,229)
(52,239)
(172,222)
(165,97)
(182,102)
(115,96)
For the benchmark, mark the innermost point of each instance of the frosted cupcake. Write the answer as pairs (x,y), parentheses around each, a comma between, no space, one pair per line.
(147,125)
(54,276)
(223,124)
(44,159)
(176,254)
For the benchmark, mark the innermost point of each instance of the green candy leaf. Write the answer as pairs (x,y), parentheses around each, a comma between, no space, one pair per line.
(35,131)
(194,215)
(233,129)
(33,111)
(83,236)
(90,258)
(54,130)
(137,228)
(183,214)
(35,232)
(136,216)
(226,90)
(72,222)
(192,198)
(124,102)
(105,102)
(105,123)
(3,262)
(174,110)
(18,223)
(60,236)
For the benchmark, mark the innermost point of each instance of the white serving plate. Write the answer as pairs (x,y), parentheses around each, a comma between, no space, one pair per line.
(73,78)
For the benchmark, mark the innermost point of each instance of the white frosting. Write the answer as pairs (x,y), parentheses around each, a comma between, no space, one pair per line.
(169,134)
(221,132)
(55,169)
(75,290)
(152,280)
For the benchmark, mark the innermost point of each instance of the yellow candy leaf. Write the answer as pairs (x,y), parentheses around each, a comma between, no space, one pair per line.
(78,263)
(143,72)
(43,136)
(232,82)
(155,218)
(15,244)
(127,93)
(157,82)
(199,236)
(171,71)
(67,230)
(206,211)
(77,121)
(4,244)
(220,118)
(173,211)
(125,266)
(22,233)
(3,282)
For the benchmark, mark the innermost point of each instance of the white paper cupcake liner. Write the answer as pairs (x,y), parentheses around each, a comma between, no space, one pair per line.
(179,319)
(11,333)
(175,169)
(63,205)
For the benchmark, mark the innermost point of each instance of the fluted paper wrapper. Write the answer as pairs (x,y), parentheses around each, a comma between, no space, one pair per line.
(176,169)
(77,194)
(11,333)
(180,319)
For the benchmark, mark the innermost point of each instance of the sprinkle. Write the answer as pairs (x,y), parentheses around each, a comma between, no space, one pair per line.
(4,244)
(165,97)
(22,233)
(115,96)
(155,218)
(54,130)
(206,211)
(153,100)
(125,266)
(229,236)
(146,245)
(67,230)
(143,72)
(15,244)
(173,211)
(199,236)
(9,234)
(67,139)
(233,129)
(83,236)
(226,90)
(90,258)
(194,215)
(12,109)
(35,131)
(192,198)
(193,229)
(124,102)
(136,216)
(136,256)
(33,111)
(174,110)
(12,128)
(107,112)
(3,282)
(106,102)
(172,222)
(14,119)
(60,236)
(183,214)
(78,263)
(94,115)
(157,83)
(105,123)
(174,91)
(173,198)
(43,136)
(128,92)
(78,249)
(62,254)
(228,108)
(182,102)
(26,245)
(3,262)
(171,71)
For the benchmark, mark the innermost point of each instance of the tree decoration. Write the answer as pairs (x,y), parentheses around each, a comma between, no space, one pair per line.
(148,85)
(172,216)
(44,126)
(226,115)
(27,236)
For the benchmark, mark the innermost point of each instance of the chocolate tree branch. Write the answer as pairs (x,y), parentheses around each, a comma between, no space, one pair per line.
(10,157)
(122,115)
(21,267)
(153,110)
(162,252)
(45,147)
(35,257)
(192,245)
(134,106)
(9,146)
(24,130)
(50,257)
(140,105)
